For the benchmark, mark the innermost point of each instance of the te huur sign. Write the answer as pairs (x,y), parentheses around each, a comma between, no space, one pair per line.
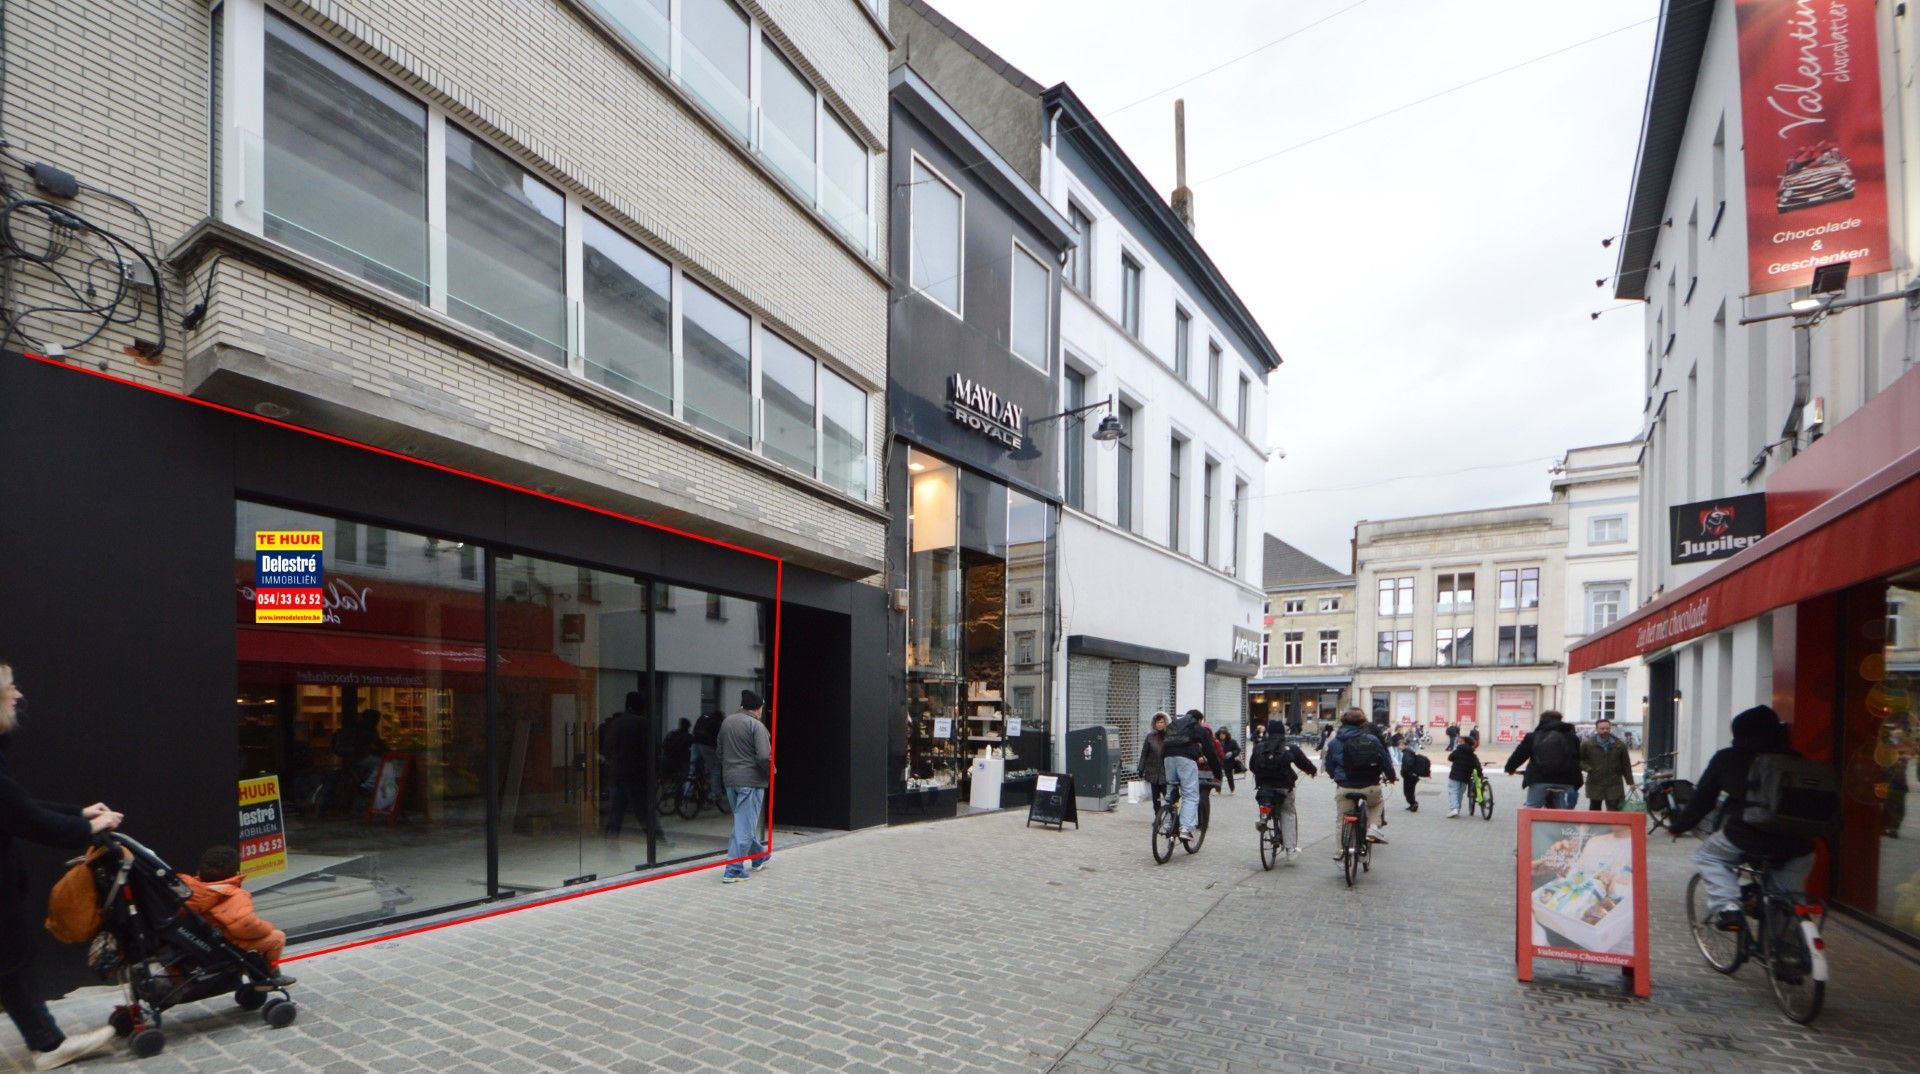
(1717,529)
(985,411)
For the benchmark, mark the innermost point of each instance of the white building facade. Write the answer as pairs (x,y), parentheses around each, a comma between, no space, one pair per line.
(1600,488)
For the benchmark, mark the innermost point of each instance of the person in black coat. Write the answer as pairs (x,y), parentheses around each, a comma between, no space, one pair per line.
(50,824)
(1553,774)
(1229,755)
(1756,731)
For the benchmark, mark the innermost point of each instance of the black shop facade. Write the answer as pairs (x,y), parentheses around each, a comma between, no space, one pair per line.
(431,732)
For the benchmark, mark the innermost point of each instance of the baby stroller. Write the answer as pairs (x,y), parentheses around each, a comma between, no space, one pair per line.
(164,954)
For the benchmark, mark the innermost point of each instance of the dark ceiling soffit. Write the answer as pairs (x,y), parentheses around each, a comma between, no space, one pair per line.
(925,104)
(1678,45)
(1235,668)
(1082,126)
(1088,645)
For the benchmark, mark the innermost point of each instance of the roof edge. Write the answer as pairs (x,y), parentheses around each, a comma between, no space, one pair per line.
(1679,42)
(947,124)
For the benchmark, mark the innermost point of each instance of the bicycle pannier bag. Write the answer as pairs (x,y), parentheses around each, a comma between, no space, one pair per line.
(1791,795)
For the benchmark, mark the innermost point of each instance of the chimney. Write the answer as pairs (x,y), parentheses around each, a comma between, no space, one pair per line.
(1182,197)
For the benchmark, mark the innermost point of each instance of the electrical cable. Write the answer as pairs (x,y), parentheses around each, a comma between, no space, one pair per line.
(1405,477)
(1290,35)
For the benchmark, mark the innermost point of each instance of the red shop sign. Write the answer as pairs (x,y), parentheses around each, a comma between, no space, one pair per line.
(1581,891)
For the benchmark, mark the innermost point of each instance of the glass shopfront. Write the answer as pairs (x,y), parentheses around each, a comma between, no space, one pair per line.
(1878,860)
(977,638)
(377,720)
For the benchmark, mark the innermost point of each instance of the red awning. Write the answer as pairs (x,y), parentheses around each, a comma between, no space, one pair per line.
(1868,532)
(328,651)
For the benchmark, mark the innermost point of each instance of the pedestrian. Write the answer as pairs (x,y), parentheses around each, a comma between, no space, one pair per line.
(68,828)
(1551,752)
(706,750)
(1464,761)
(676,751)
(1357,761)
(1453,737)
(1255,732)
(746,767)
(1153,768)
(1272,762)
(1414,767)
(625,738)
(1609,768)
(1229,756)
(1474,733)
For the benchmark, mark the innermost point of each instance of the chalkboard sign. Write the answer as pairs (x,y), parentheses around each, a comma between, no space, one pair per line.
(1053,802)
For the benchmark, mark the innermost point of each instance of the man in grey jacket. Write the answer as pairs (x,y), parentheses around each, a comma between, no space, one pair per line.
(746,760)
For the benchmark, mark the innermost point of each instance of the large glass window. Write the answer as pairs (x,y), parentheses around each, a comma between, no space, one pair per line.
(714,340)
(788,110)
(1124,469)
(506,248)
(645,21)
(1176,449)
(936,237)
(346,164)
(705,653)
(1878,869)
(1603,605)
(629,316)
(843,426)
(1032,294)
(1182,342)
(1603,697)
(714,43)
(1213,374)
(1076,437)
(1454,593)
(1509,589)
(1080,261)
(1530,587)
(1130,295)
(786,391)
(1506,645)
(843,197)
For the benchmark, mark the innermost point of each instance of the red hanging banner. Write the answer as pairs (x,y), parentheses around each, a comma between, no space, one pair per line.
(1815,153)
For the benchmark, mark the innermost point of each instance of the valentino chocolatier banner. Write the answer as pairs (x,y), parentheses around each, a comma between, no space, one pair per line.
(1815,154)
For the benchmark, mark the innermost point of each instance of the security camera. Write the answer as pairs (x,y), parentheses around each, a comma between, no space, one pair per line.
(1276,453)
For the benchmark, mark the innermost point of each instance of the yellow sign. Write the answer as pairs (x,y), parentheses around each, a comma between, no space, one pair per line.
(263,827)
(287,577)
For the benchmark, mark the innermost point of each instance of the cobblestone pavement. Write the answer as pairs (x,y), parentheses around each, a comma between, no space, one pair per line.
(980,945)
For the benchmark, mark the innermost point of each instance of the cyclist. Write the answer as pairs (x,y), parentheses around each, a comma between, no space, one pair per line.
(1756,732)
(1551,752)
(1188,740)
(1272,764)
(1357,761)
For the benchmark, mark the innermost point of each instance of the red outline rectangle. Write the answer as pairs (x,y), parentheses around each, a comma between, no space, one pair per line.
(1638,964)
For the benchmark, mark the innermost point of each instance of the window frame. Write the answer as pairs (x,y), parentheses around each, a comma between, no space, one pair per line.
(1611,689)
(1293,648)
(1182,342)
(1242,405)
(1329,657)
(1594,590)
(1080,259)
(1593,529)
(915,160)
(1176,466)
(1126,513)
(1329,604)
(1293,606)
(1133,273)
(1044,361)
(1216,361)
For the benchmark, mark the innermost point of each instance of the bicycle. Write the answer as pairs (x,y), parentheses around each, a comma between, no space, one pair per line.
(1419,740)
(1272,841)
(690,791)
(1785,937)
(1479,794)
(1166,824)
(1663,794)
(1355,847)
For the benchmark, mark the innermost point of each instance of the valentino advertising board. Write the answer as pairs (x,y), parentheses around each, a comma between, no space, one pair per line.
(1717,529)
(1814,149)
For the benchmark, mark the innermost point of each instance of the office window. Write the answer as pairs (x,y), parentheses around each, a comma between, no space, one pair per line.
(1213,374)
(1240,405)
(1076,441)
(1396,596)
(714,349)
(844,171)
(1395,649)
(1603,605)
(1603,696)
(1233,518)
(1383,651)
(1443,647)
(1182,341)
(1173,494)
(843,434)
(1023,647)
(1506,645)
(935,240)
(628,306)
(1329,604)
(1529,643)
(786,403)
(788,111)
(506,248)
(1530,587)
(1293,648)
(1329,648)
(1462,646)
(1454,592)
(1294,607)
(1130,295)
(344,177)
(1030,297)
(1607,529)
(714,43)
(1209,482)
(1123,490)
(1266,645)
(1509,589)
(1080,259)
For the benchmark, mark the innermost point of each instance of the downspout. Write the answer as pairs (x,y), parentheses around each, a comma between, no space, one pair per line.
(1802,382)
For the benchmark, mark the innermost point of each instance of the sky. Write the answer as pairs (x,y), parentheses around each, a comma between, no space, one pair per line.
(1428,275)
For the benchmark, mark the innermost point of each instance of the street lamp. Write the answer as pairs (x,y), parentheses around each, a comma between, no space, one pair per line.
(1106,432)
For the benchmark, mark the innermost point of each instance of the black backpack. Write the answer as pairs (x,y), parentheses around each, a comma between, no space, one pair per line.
(1419,766)
(1363,757)
(1183,738)
(1270,764)
(1792,796)
(1554,752)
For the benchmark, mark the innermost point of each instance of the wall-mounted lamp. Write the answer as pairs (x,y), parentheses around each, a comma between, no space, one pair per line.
(1106,432)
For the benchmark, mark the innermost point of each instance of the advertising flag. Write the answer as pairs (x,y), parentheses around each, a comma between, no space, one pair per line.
(1815,153)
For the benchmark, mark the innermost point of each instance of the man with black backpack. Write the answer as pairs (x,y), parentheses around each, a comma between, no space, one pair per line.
(1272,763)
(1551,752)
(1357,761)
(1777,803)
(1189,739)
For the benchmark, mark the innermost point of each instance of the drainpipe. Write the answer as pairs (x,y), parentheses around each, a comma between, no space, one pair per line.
(1802,383)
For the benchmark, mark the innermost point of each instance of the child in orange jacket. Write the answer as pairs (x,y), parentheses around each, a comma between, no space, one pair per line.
(218,897)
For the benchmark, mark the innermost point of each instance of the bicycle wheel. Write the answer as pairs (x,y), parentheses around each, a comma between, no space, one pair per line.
(688,799)
(1200,829)
(1353,838)
(1486,801)
(1723,950)
(1269,842)
(1790,965)
(1165,821)
(723,803)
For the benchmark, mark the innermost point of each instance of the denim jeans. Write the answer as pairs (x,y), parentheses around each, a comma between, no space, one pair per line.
(1718,862)
(25,1005)
(1552,796)
(1456,793)
(1185,771)
(748,804)
(709,758)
